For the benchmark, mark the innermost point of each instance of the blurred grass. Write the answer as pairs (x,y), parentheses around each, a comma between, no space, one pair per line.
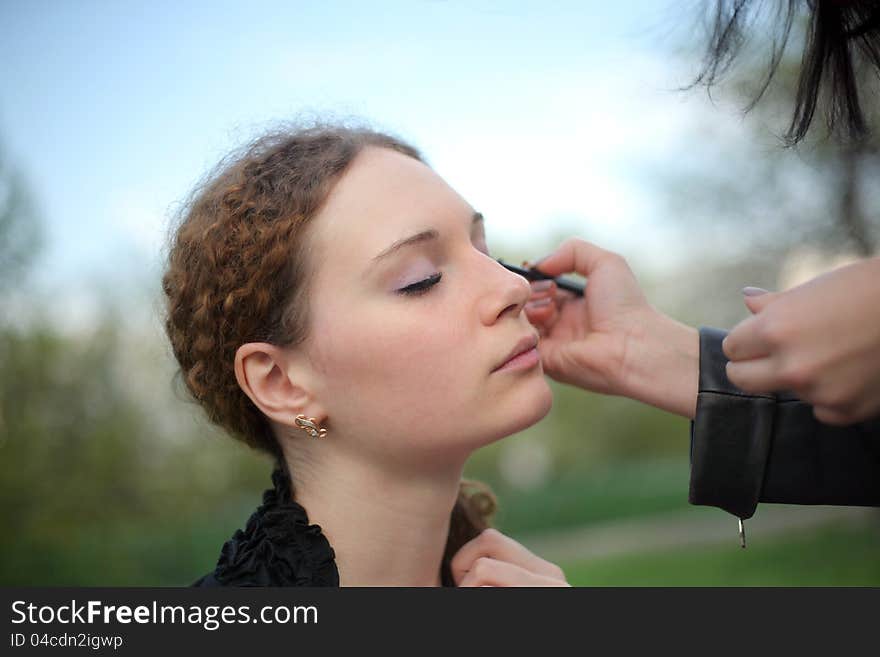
(185,546)
(587,496)
(834,555)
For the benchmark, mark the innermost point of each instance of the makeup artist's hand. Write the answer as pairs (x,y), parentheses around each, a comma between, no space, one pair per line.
(821,340)
(612,340)
(493,559)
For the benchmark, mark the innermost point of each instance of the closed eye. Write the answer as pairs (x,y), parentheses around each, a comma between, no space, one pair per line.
(422,287)
(417,289)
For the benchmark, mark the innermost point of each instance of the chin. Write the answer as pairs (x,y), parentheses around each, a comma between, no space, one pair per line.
(526,409)
(537,405)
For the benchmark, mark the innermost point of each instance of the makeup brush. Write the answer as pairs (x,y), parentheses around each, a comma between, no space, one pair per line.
(532,274)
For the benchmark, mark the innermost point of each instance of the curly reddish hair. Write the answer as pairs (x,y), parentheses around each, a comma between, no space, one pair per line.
(239,269)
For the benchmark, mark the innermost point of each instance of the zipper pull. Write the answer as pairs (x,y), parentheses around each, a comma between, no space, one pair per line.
(742,534)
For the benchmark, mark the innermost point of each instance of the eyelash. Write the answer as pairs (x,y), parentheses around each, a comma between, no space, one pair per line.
(420,288)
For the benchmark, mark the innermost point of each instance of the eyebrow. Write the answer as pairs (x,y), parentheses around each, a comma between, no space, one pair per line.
(418,238)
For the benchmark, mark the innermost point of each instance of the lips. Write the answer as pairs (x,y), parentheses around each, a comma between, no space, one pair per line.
(523,345)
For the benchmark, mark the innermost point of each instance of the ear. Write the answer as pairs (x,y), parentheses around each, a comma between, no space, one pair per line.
(275,382)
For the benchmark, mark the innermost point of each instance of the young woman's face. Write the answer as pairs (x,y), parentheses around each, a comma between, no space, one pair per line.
(404,344)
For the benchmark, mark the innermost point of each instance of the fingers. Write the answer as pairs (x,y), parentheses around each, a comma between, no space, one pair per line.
(541,309)
(547,296)
(573,255)
(750,338)
(543,293)
(843,414)
(747,340)
(542,319)
(492,543)
(487,571)
(757,302)
(830,416)
(757,375)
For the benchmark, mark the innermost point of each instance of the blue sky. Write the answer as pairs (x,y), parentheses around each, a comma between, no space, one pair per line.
(545,116)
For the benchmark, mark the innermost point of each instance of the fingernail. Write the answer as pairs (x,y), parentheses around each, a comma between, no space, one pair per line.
(538,303)
(753,291)
(541,286)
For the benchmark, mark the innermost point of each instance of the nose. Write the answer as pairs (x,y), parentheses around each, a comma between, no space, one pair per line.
(505,292)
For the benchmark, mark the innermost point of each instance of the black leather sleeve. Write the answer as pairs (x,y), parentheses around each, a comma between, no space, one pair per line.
(748,448)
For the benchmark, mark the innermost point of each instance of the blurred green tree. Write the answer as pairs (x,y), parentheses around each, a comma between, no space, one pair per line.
(20,230)
(95,487)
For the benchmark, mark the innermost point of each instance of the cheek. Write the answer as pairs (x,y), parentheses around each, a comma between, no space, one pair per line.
(406,384)
(405,364)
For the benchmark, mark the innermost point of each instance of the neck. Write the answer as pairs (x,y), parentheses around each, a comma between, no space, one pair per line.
(387,525)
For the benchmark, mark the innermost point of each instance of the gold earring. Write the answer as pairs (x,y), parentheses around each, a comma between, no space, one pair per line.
(310,426)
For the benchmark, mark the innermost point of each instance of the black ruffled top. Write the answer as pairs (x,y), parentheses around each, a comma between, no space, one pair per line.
(278,546)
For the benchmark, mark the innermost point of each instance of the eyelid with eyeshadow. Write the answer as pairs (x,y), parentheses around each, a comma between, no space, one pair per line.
(422,286)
